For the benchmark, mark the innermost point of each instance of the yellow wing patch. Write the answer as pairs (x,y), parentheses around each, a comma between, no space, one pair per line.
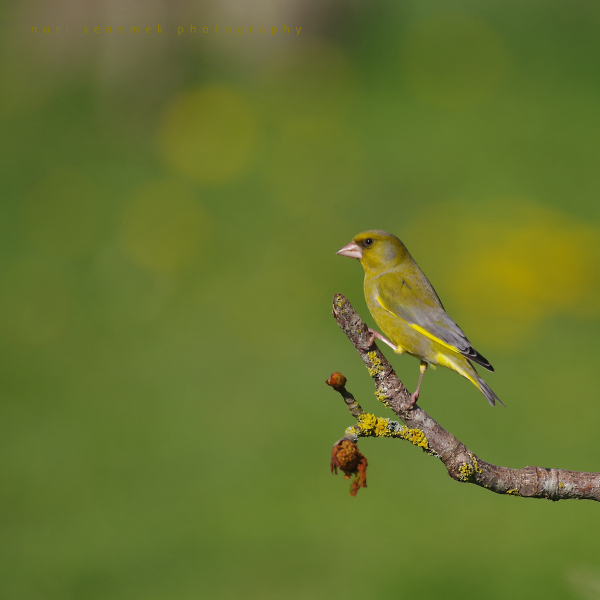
(442,359)
(421,330)
(432,337)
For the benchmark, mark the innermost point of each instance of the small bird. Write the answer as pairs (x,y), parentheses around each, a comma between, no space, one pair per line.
(407,309)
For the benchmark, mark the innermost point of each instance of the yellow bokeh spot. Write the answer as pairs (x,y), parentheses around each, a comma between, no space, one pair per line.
(62,213)
(454,61)
(163,227)
(209,135)
(35,303)
(511,264)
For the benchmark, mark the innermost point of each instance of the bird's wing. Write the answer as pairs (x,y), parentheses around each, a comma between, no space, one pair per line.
(414,300)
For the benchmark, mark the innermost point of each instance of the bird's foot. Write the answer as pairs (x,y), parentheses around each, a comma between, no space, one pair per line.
(376,334)
(415,395)
(413,399)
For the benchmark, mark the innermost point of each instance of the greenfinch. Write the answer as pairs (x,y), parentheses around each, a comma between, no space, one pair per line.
(408,311)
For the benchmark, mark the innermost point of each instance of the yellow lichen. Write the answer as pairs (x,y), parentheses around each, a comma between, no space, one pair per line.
(366,423)
(513,492)
(340,302)
(475,463)
(466,471)
(414,436)
(369,425)
(382,429)
(377,367)
(382,398)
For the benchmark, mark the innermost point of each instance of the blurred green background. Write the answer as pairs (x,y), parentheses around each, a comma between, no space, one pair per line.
(170,210)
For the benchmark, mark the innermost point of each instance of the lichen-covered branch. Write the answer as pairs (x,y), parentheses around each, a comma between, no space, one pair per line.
(421,430)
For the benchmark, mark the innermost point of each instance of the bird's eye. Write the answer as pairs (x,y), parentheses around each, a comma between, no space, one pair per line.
(368,241)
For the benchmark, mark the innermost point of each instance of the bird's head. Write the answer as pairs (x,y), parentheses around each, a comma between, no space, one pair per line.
(376,250)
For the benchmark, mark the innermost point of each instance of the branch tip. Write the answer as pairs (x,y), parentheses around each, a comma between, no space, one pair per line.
(337,381)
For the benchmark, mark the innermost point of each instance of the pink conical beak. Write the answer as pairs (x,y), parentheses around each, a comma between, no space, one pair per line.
(351,250)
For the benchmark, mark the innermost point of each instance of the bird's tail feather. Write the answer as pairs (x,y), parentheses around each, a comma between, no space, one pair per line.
(487,392)
(466,369)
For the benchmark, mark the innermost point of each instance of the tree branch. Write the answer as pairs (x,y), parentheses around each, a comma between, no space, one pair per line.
(419,428)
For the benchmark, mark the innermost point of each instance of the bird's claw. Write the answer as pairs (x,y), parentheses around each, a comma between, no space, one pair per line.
(413,399)
(371,339)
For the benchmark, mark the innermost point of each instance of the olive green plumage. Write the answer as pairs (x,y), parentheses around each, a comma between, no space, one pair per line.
(407,309)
